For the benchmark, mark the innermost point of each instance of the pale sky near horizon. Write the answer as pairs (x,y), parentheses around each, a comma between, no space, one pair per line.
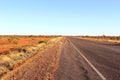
(60,17)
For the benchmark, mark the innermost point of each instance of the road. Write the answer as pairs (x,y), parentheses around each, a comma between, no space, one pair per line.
(89,60)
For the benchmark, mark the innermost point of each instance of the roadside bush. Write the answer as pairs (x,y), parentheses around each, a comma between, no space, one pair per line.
(13,40)
(4,58)
(30,49)
(16,55)
(40,45)
(3,70)
(6,61)
(43,41)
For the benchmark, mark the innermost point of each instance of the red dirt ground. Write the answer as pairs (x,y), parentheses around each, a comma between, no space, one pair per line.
(41,66)
(8,43)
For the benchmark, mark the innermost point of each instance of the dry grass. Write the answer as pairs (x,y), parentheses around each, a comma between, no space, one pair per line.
(114,39)
(14,58)
(12,42)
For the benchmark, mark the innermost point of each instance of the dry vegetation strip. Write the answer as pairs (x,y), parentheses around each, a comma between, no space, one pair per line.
(115,39)
(13,59)
(12,42)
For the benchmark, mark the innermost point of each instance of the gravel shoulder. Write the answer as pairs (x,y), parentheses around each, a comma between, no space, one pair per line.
(73,67)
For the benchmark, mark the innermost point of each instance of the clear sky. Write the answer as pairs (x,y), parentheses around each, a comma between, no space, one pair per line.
(60,17)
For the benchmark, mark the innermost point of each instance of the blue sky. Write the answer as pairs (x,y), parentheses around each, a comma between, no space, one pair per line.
(60,17)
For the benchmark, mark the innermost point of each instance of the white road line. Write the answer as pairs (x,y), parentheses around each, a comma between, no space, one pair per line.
(92,66)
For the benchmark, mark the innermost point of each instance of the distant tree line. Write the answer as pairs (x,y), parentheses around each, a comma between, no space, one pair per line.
(30,36)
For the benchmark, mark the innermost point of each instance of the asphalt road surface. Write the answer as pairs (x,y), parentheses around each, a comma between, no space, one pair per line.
(89,60)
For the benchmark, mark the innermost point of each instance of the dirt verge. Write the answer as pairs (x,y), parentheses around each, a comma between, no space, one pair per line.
(40,66)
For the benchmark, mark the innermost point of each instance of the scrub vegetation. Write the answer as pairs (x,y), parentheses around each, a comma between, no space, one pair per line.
(103,38)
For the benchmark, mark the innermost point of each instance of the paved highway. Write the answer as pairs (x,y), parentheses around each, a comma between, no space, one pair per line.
(89,60)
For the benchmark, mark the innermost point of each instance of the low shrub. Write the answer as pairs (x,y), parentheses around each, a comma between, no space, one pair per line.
(43,41)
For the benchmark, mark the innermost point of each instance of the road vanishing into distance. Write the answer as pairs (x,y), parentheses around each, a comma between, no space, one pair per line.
(89,60)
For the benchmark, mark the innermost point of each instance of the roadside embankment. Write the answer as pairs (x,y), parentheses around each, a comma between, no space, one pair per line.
(11,60)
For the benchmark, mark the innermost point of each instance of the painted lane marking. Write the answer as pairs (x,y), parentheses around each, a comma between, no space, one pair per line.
(92,66)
